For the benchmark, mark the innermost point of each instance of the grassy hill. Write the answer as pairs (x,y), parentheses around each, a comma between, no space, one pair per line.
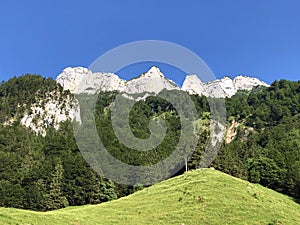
(198,197)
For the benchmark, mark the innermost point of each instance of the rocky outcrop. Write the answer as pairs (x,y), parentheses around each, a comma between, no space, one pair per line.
(193,85)
(247,83)
(231,132)
(59,106)
(50,111)
(225,87)
(81,80)
(152,81)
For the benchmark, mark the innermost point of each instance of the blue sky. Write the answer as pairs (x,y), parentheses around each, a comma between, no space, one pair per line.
(255,38)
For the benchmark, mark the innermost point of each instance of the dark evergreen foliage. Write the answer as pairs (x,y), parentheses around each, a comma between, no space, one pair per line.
(47,173)
(269,154)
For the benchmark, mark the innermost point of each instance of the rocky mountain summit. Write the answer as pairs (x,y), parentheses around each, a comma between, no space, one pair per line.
(151,81)
(58,106)
(225,87)
(81,80)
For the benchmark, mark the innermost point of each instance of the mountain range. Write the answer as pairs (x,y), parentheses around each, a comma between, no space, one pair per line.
(43,169)
(81,80)
(51,110)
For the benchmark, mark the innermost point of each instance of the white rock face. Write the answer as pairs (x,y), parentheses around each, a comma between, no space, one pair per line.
(247,83)
(193,85)
(81,80)
(151,81)
(225,87)
(50,111)
(57,108)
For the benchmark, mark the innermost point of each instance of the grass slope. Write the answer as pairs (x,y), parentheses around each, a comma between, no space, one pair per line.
(198,197)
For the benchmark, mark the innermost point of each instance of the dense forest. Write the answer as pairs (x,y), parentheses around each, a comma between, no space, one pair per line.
(48,172)
(42,173)
(266,149)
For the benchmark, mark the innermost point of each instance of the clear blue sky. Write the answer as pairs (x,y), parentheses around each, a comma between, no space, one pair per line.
(256,38)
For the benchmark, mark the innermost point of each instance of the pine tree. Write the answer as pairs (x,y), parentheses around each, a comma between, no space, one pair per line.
(55,198)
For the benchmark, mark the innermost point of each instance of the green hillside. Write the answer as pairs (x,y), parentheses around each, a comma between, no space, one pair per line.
(198,197)
(48,173)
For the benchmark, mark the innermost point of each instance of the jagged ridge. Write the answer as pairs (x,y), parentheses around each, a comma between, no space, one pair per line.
(81,80)
(225,87)
(50,111)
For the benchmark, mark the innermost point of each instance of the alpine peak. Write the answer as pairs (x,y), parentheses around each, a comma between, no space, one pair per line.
(81,80)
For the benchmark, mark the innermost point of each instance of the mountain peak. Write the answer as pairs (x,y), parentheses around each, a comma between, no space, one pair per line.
(221,88)
(151,81)
(154,71)
(82,80)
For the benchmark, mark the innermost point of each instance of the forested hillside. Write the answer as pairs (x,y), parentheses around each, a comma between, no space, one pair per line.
(17,94)
(42,173)
(48,172)
(266,148)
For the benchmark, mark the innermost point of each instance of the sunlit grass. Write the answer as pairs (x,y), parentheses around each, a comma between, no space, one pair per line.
(199,197)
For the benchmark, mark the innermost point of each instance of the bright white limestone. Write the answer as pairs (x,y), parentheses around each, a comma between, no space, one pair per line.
(247,83)
(152,81)
(81,80)
(51,111)
(193,85)
(225,87)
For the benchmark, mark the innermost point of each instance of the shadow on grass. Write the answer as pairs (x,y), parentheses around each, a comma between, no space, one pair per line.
(297,200)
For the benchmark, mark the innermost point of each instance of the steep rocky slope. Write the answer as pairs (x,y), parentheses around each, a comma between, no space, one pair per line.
(56,107)
(225,87)
(81,80)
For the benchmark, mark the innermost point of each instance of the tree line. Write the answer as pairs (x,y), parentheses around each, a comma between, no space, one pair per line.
(47,173)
